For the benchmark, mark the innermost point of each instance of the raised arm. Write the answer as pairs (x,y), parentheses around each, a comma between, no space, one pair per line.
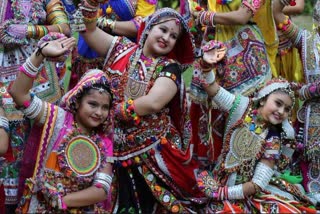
(96,38)
(285,25)
(294,10)
(237,17)
(20,89)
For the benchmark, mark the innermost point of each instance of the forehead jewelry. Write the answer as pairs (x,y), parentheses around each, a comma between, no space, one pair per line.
(99,89)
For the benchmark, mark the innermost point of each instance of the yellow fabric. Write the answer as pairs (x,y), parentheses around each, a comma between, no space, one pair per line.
(289,66)
(263,17)
(144,8)
(265,21)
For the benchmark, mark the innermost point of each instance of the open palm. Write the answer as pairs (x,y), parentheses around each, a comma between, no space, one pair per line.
(214,55)
(58,47)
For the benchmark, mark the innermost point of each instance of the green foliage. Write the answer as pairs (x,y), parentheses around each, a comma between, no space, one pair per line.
(168,3)
(308,6)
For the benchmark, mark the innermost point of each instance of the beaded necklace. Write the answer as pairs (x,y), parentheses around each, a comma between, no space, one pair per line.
(136,88)
(252,118)
(80,154)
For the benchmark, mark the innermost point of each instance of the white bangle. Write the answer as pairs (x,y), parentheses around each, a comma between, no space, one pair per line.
(4,123)
(235,192)
(224,99)
(34,108)
(102,180)
(262,175)
(209,77)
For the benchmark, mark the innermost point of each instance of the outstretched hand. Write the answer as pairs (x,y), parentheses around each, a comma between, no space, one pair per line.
(214,55)
(57,47)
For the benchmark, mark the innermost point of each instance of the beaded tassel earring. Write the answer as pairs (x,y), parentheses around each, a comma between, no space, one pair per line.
(251,119)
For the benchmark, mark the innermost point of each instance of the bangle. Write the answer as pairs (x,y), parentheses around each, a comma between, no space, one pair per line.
(235,192)
(283,25)
(205,67)
(59,28)
(110,24)
(126,111)
(256,187)
(224,99)
(4,123)
(209,77)
(262,175)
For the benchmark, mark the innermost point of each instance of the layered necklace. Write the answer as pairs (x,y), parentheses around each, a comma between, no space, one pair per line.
(137,85)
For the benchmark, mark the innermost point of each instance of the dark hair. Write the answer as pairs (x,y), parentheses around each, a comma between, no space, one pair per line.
(95,87)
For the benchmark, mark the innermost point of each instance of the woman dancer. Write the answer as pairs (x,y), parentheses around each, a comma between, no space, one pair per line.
(118,17)
(151,130)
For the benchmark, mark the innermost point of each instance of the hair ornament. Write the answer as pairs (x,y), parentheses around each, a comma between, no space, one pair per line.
(275,84)
(100,89)
(90,78)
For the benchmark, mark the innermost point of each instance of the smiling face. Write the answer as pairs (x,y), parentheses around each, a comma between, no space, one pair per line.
(92,109)
(162,38)
(276,107)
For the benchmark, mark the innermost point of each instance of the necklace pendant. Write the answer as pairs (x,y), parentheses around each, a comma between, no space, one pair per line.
(248,119)
(252,127)
(258,130)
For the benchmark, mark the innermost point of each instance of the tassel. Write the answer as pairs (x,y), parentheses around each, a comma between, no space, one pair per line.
(252,127)
(258,130)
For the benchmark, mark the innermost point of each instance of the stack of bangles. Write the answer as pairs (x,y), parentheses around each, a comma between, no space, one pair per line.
(32,109)
(262,175)
(206,18)
(29,69)
(310,91)
(102,180)
(126,110)
(103,23)
(229,193)
(4,123)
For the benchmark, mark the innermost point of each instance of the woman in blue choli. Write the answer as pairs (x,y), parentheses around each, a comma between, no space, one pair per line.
(119,17)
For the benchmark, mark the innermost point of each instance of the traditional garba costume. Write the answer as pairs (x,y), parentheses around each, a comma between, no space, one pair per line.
(244,145)
(66,160)
(249,61)
(154,169)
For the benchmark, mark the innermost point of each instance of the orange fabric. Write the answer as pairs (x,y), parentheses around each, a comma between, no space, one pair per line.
(52,162)
(232,209)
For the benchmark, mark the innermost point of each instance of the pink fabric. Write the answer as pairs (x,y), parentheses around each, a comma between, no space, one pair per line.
(304,170)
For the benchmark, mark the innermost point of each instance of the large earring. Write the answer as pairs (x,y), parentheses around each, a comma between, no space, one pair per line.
(261,103)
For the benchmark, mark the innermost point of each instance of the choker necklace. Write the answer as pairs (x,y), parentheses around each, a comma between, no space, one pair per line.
(252,118)
(80,131)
